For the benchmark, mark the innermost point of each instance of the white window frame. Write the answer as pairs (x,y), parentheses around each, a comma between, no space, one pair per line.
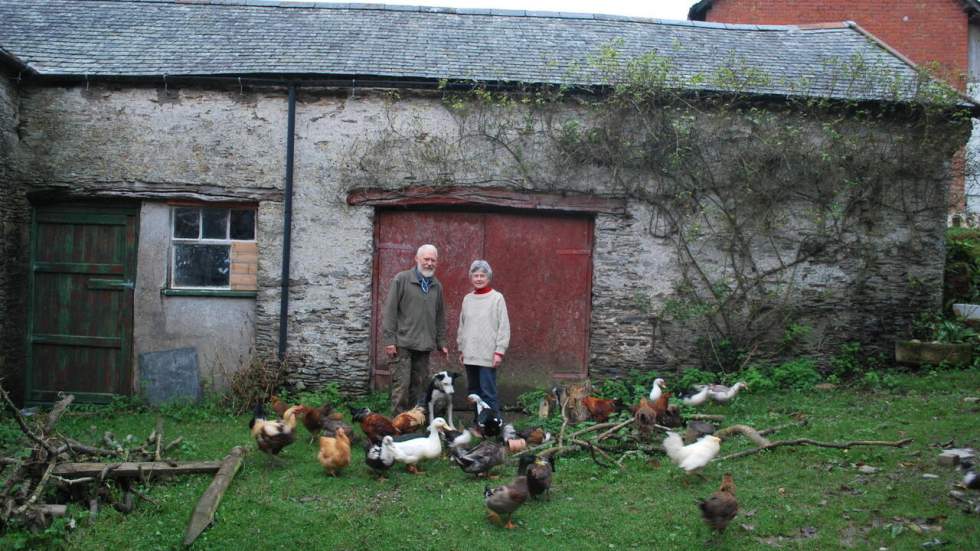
(174,240)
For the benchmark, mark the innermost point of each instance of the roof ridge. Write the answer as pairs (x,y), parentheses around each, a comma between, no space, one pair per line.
(368,6)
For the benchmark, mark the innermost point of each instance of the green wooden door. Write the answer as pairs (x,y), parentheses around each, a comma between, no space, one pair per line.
(80,333)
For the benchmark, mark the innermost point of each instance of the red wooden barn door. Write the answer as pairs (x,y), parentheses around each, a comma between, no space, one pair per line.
(542,264)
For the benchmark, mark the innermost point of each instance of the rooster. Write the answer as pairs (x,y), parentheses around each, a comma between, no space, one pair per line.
(374,425)
(721,507)
(645,417)
(334,452)
(409,421)
(323,420)
(278,406)
(601,408)
(272,436)
(694,456)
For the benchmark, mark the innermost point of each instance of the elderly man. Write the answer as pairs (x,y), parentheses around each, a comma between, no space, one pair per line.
(414,324)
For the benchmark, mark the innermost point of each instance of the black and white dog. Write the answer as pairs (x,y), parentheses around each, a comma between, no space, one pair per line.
(438,396)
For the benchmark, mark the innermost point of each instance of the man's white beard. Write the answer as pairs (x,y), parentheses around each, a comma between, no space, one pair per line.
(427,273)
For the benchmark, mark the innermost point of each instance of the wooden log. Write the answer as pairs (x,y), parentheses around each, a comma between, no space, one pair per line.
(158,432)
(203,514)
(56,411)
(705,417)
(54,510)
(134,469)
(746,430)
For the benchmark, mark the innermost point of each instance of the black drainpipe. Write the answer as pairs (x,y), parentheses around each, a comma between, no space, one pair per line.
(287,224)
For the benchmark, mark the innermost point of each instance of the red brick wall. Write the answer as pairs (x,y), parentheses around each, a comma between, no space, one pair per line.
(925,31)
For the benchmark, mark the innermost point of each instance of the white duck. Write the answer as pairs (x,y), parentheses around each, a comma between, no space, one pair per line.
(697,398)
(693,456)
(658,389)
(724,394)
(412,448)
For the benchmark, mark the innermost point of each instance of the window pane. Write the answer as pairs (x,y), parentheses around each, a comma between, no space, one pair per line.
(215,224)
(186,221)
(201,265)
(243,224)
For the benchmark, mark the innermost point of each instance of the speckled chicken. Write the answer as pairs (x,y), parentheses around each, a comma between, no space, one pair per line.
(721,507)
(272,435)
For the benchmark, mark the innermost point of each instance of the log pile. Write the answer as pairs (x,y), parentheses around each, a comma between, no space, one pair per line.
(54,470)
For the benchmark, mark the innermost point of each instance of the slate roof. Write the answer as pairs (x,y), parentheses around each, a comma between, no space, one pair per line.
(151,38)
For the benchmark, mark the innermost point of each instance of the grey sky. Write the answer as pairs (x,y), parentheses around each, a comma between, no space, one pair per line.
(660,9)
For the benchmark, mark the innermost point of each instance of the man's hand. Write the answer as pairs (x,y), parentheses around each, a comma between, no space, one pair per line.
(497,359)
(445,352)
(391,350)
(461,358)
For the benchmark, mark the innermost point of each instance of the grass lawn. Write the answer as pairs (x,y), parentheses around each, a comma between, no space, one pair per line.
(791,498)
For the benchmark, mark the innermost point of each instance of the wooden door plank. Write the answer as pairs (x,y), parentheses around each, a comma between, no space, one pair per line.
(78,340)
(54,217)
(79,268)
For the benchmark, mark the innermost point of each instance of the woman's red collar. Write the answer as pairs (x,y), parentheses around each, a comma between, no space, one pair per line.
(482,291)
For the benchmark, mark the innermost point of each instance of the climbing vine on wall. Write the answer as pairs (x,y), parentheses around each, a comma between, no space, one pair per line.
(747,188)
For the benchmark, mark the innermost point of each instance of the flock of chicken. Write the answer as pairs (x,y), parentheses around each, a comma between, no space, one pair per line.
(399,440)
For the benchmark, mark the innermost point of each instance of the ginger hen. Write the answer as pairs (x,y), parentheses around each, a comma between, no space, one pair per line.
(334,452)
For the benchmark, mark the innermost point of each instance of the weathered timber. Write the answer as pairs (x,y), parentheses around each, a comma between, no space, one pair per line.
(499,197)
(56,411)
(203,514)
(134,469)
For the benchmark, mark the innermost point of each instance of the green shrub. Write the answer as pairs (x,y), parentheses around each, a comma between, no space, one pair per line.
(691,377)
(847,362)
(953,331)
(794,334)
(798,374)
(529,401)
(757,377)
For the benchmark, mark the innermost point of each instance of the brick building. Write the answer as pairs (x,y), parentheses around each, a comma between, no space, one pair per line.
(941,35)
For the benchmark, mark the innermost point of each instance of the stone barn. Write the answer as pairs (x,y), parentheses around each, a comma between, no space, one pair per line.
(212,183)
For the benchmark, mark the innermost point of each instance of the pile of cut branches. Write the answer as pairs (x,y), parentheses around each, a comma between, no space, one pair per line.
(39,482)
(610,443)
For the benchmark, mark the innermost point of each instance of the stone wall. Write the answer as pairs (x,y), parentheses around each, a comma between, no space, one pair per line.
(225,145)
(14,221)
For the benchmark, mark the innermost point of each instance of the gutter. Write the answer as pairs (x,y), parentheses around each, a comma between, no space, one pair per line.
(287,224)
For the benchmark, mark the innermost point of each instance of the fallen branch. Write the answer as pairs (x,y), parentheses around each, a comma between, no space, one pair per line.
(158,432)
(745,430)
(705,417)
(134,469)
(592,451)
(614,429)
(38,489)
(203,514)
(56,412)
(809,442)
(23,424)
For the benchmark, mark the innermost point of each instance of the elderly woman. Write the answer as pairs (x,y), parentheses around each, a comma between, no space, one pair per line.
(483,335)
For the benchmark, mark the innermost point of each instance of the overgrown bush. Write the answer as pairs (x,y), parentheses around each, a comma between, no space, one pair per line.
(961,281)
(254,383)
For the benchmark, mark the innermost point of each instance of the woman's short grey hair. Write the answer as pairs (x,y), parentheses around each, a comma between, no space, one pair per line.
(482,266)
